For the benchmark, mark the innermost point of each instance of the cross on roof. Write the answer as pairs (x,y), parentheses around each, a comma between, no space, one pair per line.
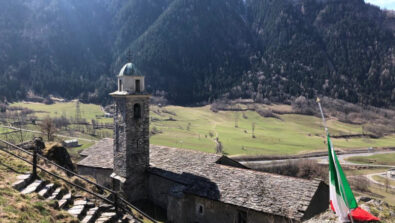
(129,58)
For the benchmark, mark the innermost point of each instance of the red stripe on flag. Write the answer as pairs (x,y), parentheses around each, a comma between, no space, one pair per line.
(333,209)
(359,214)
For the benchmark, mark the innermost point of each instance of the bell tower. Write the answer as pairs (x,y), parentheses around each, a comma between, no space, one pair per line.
(131,134)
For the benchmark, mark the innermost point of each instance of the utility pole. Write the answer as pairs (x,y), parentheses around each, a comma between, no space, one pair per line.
(78,114)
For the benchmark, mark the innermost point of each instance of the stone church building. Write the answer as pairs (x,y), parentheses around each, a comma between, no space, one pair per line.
(193,187)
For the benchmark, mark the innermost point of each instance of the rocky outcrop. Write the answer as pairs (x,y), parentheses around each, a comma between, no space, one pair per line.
(57,153)
(379,208)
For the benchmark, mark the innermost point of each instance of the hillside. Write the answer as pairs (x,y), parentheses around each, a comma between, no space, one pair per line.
(278,129)
(197,51)
(17,207)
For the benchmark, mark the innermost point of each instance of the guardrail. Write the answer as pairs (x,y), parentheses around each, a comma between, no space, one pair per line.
(117,201)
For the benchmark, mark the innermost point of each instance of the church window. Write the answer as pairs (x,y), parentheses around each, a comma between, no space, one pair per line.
(241,217)
(200,209)
(138,87)
(137,111)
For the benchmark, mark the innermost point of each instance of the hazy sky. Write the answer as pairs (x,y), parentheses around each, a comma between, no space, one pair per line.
(385,4)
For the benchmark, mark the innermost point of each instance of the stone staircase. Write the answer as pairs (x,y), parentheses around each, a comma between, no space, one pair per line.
(83,209)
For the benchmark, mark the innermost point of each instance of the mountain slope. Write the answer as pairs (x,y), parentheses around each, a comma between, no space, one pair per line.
(190,50)
(196,51)
(337,48)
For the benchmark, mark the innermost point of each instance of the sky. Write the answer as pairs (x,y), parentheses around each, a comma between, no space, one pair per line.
(384,4)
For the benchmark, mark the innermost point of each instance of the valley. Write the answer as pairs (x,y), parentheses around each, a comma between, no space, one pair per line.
(197,128)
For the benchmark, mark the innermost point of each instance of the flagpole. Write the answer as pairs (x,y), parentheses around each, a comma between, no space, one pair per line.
(327,133)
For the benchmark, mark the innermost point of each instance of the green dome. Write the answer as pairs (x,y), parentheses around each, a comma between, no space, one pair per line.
(129,69)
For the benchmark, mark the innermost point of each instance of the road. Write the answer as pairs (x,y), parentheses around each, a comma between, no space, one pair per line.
(321,159)
(58,135)
(384,174)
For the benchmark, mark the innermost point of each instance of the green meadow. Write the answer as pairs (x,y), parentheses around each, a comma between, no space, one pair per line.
(289,135)
(197,127)
(379,159)
(68,109)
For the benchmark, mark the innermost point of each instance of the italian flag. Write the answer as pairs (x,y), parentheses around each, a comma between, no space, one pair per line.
(342,199)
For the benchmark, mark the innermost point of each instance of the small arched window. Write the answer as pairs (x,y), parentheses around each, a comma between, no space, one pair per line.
(120,86)
(137,111)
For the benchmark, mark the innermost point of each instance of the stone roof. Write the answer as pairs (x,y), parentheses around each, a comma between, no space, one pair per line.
(99,155)
(259,191)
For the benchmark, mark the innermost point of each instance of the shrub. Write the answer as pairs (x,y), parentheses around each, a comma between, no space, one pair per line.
(307,169)
(360,183)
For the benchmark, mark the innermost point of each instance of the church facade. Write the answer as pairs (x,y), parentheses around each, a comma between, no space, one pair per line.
(191,186)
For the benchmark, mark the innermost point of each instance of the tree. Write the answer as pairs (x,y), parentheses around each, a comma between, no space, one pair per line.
(48,128)
(253,129)
(21,121)
(94,126)
(189,126)
(219,148)
(237,115)
(387,183)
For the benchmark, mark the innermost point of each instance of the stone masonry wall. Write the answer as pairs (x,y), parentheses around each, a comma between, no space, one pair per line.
(102,176)
(131,145)
(186,208)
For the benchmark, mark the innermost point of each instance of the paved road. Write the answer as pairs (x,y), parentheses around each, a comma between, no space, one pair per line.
(321,159)
(384,174)
(343,159)
(58,135)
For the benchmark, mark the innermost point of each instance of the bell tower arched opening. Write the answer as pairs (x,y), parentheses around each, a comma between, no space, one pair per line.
(137,111)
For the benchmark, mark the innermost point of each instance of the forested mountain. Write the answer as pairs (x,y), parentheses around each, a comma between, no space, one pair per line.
(199,50)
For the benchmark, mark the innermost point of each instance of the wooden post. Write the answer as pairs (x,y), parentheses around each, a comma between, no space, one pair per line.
(116,204)
(34,173)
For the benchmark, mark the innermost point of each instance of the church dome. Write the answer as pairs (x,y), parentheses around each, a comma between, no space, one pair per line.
(129,69)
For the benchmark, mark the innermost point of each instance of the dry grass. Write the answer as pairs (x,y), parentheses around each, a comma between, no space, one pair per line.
(16,207)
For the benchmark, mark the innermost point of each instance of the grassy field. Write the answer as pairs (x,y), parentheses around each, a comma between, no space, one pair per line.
(290,135)
(68,109)
(197,127)
(382,159)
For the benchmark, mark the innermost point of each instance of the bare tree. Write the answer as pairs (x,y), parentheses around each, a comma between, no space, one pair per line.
(219,148)
(253,129)
(189,126)
(237,116)
(386,184)
(48,128)
(94,126)
(21,121)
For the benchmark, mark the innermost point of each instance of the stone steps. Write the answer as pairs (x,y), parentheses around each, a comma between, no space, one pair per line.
(107,217)
(23,181)
(78,206)
(65,200)
(47,190)
(33,187)
(57,194)
(91,215)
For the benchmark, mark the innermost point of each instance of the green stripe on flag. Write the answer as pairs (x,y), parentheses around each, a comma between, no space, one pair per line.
(336,174)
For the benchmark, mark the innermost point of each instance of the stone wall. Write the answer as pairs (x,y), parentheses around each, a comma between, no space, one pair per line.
(102,176)
(131,144)
(159,189)
(189,208)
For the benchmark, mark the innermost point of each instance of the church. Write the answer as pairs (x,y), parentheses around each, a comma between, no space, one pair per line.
(191,186)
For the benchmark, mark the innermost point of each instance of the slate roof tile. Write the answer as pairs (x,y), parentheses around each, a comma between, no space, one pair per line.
(259,191)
